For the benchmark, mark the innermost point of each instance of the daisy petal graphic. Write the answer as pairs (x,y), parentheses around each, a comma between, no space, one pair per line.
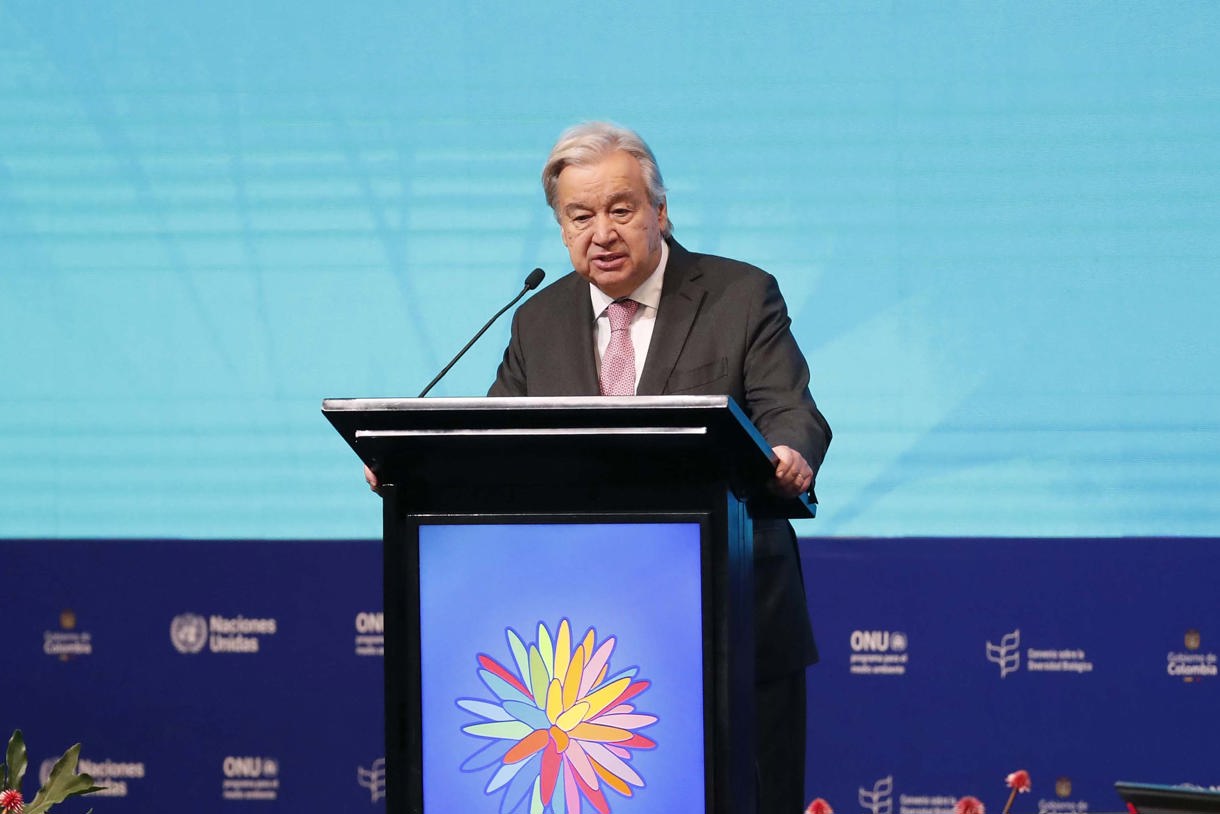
(490,755)
(596,797)
(563,648)
(527,713)
(572,717)
(551,764)
(578,759)
(502,689)
(547,649)
(512,730)
(596,664)
(607,695)
(637,742)
(536,805)
(528,746)
(484,709)
(519,787)
(599,733)
(626,721)
(519,651)
(561,731)
(540,678)
(632,691)
(613,781)
(571,683)
(498,669)
(618,769)
(571,792)
(503,775)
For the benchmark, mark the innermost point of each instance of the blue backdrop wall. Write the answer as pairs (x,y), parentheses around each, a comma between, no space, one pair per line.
(995,224)
(235,676)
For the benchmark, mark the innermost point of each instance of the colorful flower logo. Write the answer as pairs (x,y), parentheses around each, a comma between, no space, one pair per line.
(561,728)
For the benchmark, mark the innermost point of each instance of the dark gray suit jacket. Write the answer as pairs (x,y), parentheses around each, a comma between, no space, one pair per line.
(722,329)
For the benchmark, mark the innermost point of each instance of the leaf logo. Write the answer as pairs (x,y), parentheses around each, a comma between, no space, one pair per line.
(879,799)
(1007,654)
(373,779)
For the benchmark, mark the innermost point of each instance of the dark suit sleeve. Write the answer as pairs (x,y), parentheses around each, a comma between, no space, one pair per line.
(776,379)
(510,377)
(777,399)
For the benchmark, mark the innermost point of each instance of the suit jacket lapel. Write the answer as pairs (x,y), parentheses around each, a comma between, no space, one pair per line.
(681,296)
(574,330)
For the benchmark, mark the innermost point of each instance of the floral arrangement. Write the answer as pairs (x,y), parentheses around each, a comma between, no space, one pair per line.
(969,805)
(819,806)
(1018,781)
(63,783)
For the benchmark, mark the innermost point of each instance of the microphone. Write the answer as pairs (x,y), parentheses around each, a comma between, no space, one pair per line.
(531,282)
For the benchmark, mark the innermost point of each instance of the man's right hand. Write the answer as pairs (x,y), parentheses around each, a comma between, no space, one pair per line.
(371,478)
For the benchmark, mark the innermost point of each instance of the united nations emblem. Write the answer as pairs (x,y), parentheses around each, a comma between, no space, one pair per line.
(189,632)
(1193,639)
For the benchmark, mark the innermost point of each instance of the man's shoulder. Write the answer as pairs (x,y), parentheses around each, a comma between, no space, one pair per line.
(716,271)
(565,290)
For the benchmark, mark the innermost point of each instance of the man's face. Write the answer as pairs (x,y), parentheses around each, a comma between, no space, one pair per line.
(612,232)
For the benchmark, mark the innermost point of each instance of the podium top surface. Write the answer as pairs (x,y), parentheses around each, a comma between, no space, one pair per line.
(373,427)
(520,402)
(584,404)
(361,418)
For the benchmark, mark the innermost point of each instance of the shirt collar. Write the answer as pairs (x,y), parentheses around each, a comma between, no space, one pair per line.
(648,293)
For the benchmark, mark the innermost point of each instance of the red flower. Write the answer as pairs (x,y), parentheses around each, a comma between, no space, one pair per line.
(969,805)
(1018,780)
(11,801)
(819,806)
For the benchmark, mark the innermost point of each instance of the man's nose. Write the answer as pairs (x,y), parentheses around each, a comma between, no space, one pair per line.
(604,230)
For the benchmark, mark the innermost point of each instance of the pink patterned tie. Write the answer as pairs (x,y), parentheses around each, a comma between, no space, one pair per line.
(618,363)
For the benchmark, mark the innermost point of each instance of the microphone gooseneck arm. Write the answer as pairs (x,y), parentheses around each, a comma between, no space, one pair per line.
(531,282)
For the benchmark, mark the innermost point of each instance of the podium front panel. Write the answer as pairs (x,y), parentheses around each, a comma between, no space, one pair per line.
(559,658)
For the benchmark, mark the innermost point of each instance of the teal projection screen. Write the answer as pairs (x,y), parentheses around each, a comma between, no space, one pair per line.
(996,225)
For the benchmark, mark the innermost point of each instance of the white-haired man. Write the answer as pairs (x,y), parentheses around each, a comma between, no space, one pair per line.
(697,325)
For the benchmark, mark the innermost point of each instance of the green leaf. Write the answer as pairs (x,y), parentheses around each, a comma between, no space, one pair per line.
(63,783)
(15,761)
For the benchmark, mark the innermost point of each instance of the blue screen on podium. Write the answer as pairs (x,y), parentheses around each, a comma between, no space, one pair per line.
(562,660)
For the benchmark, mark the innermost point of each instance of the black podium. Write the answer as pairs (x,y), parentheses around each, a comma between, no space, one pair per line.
(567,600)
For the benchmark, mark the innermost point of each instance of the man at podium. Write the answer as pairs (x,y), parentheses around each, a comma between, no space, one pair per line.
(641,315)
